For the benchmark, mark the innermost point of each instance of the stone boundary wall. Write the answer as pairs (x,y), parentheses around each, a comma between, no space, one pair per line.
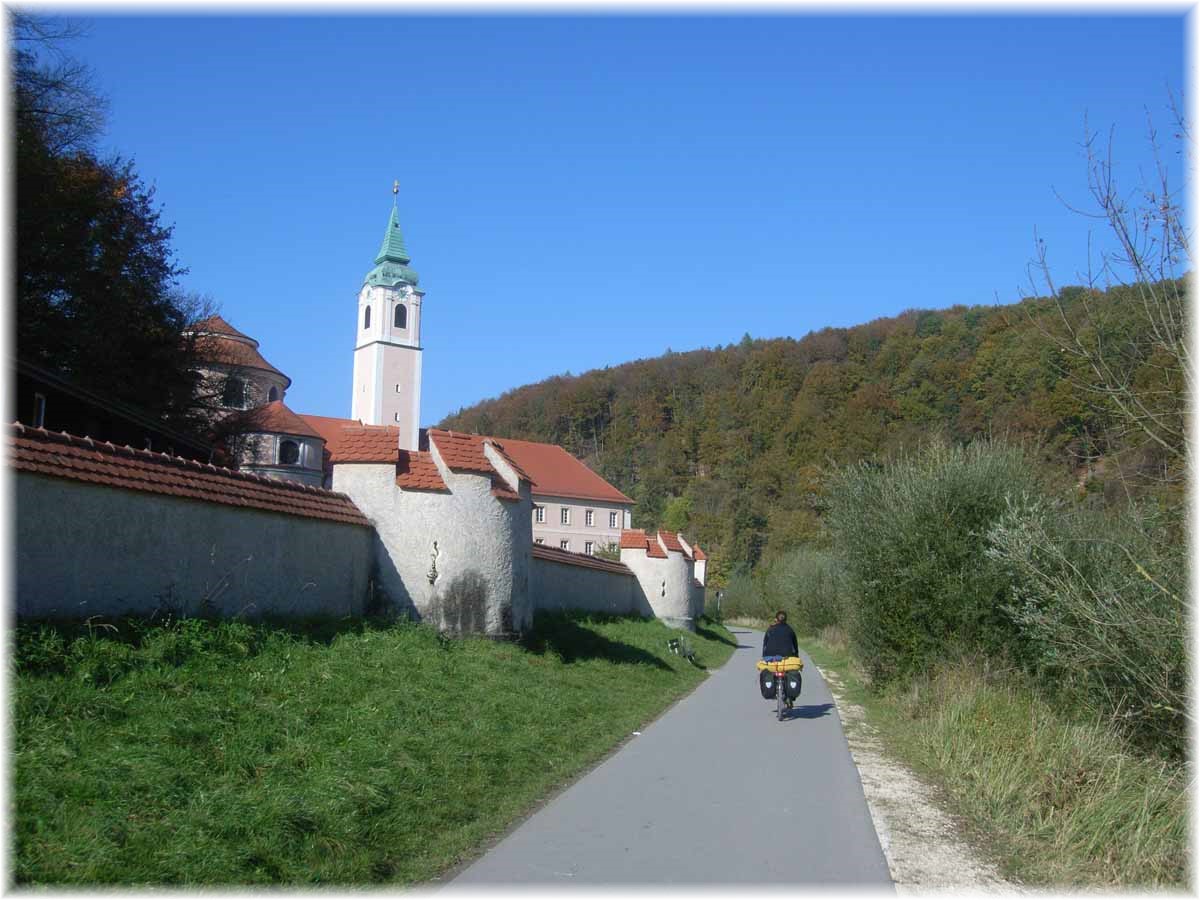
(89,549)
(561,580)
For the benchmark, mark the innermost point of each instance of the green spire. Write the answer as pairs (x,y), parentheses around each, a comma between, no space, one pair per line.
(391,265)
(393,248)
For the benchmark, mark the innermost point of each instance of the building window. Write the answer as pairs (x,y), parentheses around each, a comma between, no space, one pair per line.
(589,548)
(564,515)
(589,518)
(401,320)
(539,514)
(39,410)
(396,416)
(367,318)
(289,453)
(397,387)
(234,394)
(539,540)
(612,520)
(565,545)
(273,395)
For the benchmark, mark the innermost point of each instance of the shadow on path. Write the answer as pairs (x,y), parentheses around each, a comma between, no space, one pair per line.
(812,711)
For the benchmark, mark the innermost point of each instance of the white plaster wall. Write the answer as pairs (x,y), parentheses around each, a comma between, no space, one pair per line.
(658,593)
(479,546)
(85,549)
(558,586)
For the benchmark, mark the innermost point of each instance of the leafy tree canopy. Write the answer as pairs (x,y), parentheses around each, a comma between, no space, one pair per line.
(96,290)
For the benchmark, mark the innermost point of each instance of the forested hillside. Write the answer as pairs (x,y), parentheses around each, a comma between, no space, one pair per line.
(733,444)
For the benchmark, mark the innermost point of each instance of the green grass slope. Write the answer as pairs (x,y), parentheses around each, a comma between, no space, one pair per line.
(198,753)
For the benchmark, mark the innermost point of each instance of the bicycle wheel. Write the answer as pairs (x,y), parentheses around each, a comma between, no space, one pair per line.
(780,699)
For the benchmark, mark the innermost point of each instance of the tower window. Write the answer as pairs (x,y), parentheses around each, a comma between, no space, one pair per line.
(401,320)
(234,394)
(397,388)
(396,416)
(367,317)
(273,395)
(39,410)
(289,453)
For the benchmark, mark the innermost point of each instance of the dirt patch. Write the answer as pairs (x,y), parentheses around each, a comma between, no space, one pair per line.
(923,844)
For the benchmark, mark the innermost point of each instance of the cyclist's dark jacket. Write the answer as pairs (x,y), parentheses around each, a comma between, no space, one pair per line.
(780,640)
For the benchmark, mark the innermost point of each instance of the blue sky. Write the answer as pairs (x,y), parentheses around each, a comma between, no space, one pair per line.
(581,191)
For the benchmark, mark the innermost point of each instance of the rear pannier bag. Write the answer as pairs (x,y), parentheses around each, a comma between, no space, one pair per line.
(791,685)
(767,680)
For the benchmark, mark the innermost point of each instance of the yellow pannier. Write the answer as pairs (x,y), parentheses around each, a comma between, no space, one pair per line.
(787,664)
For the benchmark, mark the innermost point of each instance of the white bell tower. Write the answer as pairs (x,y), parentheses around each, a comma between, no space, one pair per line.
(387,346)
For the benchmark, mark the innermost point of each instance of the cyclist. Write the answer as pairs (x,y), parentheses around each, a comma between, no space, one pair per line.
(780,641)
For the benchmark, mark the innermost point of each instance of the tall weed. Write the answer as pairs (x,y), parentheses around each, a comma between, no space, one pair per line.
(1075,805)
(1100,601)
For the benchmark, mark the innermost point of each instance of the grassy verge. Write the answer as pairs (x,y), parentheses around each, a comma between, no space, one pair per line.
(1063,802)
(202,753)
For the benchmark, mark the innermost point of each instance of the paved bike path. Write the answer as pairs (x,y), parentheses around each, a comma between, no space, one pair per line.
(715,791)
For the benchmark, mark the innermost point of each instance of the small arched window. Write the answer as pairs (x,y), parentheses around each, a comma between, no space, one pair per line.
(289,453)
(367,317)
(401,316)
(273,395)
(234,394)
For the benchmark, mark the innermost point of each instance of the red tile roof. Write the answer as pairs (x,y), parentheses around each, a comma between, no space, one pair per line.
(637,539)
(229,351)
(671,541)
(275,417)
(349,440)
(501,491)
(217,325)
(554,554)
(369,444)
(633,539)
(461,452)
(698,553)
(330,428)
(82,459)
(556,473)
(416,471)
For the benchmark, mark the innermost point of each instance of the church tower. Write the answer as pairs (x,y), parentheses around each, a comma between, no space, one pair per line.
(387,347)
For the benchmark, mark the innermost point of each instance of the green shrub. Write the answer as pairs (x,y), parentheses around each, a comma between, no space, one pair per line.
(913,535)
(810,585)
(1100,601)
(741,598)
